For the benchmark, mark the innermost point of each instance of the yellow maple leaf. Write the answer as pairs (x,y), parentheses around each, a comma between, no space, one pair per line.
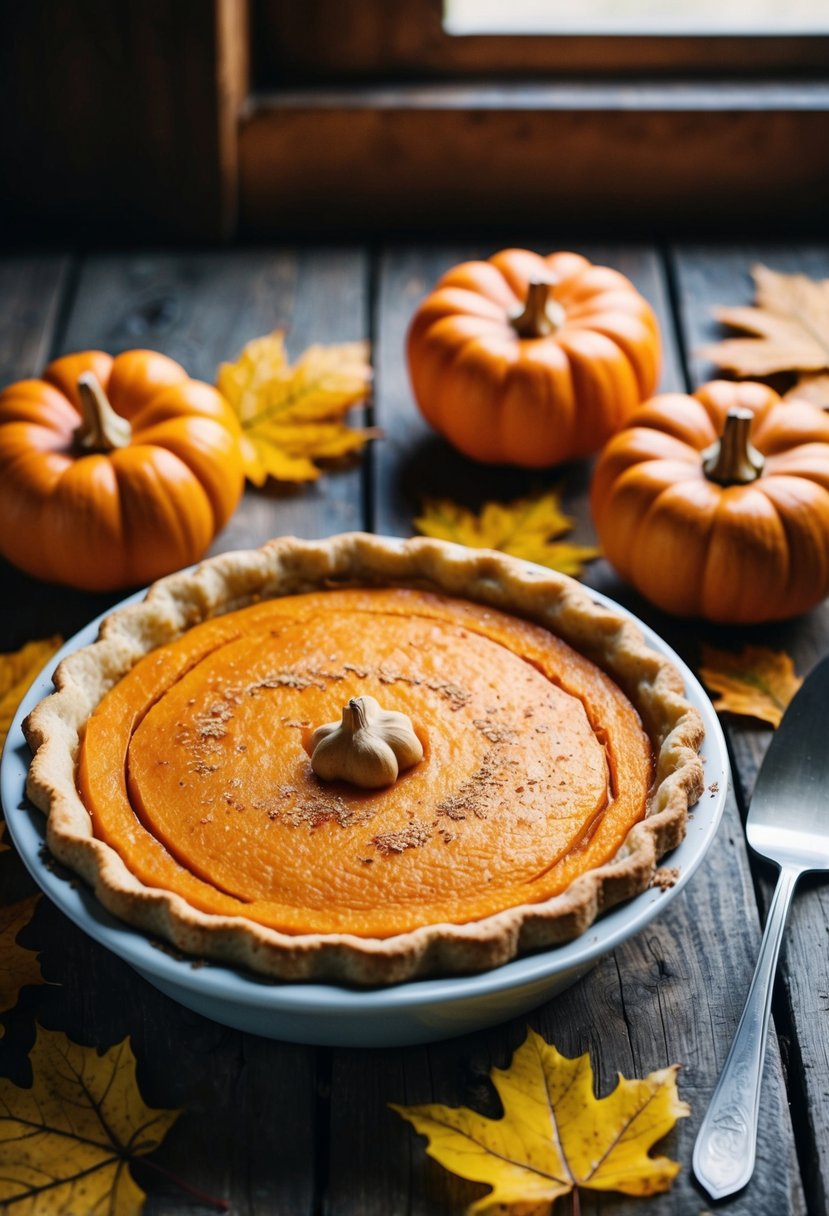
(555,1135)
(791,321)
(66,1142)
(757,682)
(293,415)
(18,966)
(528,528)
(17,670)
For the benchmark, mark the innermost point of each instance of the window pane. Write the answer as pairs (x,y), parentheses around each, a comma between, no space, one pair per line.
(754,17)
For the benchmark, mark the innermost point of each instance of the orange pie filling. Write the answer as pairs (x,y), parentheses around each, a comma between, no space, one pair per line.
(195,767)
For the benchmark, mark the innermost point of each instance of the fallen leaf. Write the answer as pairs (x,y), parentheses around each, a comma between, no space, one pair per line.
(66,1142)
(791,321)
(17,670)
(757,682)
(18,966)
(555,1135)
(293,415)
(528,528)
(813,388)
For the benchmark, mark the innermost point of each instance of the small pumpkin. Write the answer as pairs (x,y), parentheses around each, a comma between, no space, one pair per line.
(114,471)
(716,505)
(532,360)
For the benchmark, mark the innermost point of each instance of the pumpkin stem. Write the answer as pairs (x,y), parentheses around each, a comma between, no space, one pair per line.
(354,714)
(541,315)
(734,460)
(101,428)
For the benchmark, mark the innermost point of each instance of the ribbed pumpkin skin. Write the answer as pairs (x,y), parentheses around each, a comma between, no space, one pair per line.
(107,520)
(739,554)
(500,398)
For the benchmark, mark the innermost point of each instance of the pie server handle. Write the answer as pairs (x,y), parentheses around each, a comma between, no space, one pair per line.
(726,1145)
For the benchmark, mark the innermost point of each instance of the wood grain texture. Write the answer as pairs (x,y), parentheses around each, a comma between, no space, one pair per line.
(33,293)
(457,157)
(707,276)
(32,289)
(673,994)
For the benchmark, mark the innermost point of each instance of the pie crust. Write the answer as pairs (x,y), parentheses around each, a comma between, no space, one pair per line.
(369,948)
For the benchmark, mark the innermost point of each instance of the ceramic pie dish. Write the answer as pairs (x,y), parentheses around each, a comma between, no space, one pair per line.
(180,762)
(406,1012)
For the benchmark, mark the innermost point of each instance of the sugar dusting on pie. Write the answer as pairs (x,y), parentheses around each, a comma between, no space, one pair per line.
(559,759)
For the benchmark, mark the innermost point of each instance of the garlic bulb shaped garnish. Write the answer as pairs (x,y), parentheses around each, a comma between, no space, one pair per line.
(369,747)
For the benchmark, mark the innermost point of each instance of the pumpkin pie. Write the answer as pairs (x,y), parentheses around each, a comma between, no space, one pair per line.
(365,760)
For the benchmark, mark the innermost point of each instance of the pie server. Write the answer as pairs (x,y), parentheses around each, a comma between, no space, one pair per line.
(788,822)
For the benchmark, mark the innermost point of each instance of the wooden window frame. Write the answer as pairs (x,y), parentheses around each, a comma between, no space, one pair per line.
(366,116)
(313,41)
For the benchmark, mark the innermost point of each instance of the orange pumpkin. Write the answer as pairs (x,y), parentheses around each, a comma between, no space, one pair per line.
(532,360)
(717,505)
(114,471)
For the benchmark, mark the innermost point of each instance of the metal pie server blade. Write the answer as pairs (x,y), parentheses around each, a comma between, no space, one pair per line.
(788,822)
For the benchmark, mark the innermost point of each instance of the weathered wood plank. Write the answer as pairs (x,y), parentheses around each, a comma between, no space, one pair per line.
(248,1134)
(672,995)
(708,276)
(33,290)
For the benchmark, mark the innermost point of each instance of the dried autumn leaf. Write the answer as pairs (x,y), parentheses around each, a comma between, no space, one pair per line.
(528,528)
(555,1135)
(293,415)
(791,321)
(66,1143)
(18,966)
(757,682)
(811,388)
(17,670)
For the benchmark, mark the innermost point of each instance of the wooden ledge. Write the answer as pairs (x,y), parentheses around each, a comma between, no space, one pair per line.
(637,155)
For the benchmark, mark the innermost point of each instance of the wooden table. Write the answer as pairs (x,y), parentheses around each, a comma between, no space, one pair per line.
(272,1127)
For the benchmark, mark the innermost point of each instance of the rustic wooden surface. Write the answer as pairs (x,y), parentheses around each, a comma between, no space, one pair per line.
(273,1127)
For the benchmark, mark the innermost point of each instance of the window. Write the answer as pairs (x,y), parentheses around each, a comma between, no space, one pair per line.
(636,17)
